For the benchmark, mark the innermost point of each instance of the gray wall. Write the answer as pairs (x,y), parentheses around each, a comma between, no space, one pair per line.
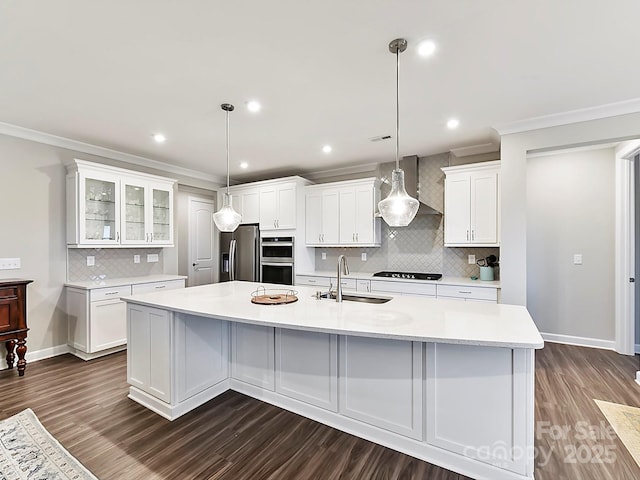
(571,210)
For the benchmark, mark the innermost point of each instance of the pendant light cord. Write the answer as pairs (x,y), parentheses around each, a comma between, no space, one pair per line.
(398,109)
(227,152)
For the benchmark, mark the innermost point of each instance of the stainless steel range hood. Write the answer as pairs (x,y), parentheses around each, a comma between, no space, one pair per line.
(431,202)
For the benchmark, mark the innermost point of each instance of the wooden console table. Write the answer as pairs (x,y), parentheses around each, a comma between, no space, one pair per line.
(13,320)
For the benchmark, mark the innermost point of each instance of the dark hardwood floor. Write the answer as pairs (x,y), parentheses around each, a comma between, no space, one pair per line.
(234,437)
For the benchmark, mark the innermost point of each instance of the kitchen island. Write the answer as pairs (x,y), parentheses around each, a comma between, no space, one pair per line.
(448,382)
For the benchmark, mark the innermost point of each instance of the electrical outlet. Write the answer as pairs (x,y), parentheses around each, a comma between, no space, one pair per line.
(136,259)
(577,259)
(91,260)
(324,255)
(363,256)
(152,258)
(9,263)
(472,260)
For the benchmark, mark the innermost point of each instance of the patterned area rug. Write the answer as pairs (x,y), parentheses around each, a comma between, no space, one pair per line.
(29,452)
(625,421)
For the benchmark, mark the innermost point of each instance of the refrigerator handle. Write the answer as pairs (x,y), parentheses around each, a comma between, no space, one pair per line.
(232,260)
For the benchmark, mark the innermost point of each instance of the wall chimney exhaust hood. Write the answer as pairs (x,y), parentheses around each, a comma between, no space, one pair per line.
(428,200)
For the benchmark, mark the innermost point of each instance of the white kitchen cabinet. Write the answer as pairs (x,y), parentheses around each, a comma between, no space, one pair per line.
(364,286)
(307,367)
(97,318)
(471,197)
(343,214)
(278,206)
(246,201)
(114,207)
(467,293)
(358,204)
(253,355)
(147,212)
(321,216)
(200,341)
(381,383)
(313,280)
(403,288)
(149,366)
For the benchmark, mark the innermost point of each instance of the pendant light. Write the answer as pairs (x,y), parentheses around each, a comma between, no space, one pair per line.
(227,219)
(398,209)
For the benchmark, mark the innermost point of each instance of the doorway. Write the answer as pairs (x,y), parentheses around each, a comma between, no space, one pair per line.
(201,263)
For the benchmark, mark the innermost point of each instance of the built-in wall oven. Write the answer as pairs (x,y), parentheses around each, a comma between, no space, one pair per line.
(276,260)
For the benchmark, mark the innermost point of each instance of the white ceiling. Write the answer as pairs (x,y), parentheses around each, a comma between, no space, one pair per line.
(113,73)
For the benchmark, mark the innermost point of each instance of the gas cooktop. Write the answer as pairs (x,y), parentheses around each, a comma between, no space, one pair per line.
(410,275)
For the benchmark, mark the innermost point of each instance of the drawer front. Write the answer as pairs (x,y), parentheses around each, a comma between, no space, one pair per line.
(157,286)
(348,283)
(474,293)
(428,289)
(109,293)
(313,281)
(8,293)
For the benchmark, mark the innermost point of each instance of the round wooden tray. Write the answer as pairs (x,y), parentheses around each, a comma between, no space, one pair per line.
(264,296)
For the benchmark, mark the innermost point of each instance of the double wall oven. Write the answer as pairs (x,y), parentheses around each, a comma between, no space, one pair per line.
(276,260)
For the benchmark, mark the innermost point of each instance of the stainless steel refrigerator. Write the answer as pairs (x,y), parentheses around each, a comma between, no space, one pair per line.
(240,254)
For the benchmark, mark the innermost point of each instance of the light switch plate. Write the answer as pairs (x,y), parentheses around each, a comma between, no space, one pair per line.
(91,260)
(577,259)
(363,257)
(9,263)
(324,255)
(472,259)
(152,258)
(136,259)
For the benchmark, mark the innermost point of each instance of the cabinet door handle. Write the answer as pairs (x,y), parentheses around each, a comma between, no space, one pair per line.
(473,234)
(460,291)
(467,235)
(111,293)
(151,235)
(160,286)
(357,238)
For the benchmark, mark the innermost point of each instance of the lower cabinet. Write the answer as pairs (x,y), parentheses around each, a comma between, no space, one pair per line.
(97,318)
(381,383)
(252,355)
(200,341)
(307,367)
(149,355)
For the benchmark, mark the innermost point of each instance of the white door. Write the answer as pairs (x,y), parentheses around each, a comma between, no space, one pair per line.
(313,218)
(286,201)
(484,208)
(457,204)
(201,235)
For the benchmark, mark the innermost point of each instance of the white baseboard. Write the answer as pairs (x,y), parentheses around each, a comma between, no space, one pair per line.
(35,355)
(637,350)
(579,341)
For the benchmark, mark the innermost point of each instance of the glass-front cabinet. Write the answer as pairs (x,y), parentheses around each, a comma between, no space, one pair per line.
(99,209)
(147,213)
(108,206)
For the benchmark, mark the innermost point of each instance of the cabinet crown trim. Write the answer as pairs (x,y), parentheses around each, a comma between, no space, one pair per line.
(472,167)
(78,165)
(374,181)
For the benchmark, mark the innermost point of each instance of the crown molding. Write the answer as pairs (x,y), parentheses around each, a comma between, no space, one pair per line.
(573,116)
(480,149)
(75,145)
(340,171)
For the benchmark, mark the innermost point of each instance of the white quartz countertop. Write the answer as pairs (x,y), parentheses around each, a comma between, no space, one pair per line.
(116,282)
(460,281)
(404,317)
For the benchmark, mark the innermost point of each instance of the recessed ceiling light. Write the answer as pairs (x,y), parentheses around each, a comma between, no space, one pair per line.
(159,138)
(426,48)
(253,106)
(453,123)
(244,165)
(327,149)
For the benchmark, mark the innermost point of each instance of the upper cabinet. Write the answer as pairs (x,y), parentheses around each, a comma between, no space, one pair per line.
(111,207)
(471,199)
(343,214)
(278,206)
(271,203)
(246,201)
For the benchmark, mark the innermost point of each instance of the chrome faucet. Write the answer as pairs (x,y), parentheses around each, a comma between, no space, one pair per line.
(343,269)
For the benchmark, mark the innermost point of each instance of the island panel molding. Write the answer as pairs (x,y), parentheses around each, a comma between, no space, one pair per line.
(401,380)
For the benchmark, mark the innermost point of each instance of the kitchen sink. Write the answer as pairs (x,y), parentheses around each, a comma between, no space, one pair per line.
(358,298)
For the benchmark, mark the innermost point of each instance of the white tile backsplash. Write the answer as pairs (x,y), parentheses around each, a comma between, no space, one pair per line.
(111,263)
